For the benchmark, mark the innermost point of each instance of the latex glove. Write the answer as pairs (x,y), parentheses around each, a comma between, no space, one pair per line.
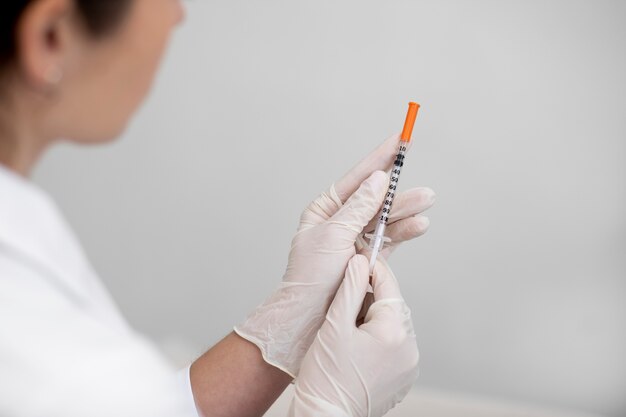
(329,234)
(359,371)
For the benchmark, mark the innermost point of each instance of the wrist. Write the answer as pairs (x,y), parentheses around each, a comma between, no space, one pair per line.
(284,326)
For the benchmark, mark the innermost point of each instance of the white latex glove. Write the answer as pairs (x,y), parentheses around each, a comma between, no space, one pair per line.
(330,232)
(359,371)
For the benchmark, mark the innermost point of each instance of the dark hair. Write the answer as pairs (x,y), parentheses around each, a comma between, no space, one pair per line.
(100,17)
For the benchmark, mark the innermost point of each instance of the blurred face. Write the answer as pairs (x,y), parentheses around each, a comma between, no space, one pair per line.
(105,79)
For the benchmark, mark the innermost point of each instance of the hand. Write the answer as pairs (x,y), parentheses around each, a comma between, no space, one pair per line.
(330,233)
(347,207)
(359,371)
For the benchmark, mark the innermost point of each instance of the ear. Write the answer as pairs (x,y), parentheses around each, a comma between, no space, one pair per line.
(43,41)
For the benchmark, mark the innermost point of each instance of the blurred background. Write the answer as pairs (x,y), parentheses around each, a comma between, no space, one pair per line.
(518,291)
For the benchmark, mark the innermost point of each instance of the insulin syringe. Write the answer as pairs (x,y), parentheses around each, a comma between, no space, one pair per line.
(377,239)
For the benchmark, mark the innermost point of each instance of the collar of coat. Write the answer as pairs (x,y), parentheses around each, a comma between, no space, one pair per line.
(33,231)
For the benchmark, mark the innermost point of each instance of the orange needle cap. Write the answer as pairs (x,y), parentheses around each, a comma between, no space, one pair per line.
(411,115)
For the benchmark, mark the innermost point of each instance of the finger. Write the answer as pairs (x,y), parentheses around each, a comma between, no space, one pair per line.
(404,230)
(407,204)
(389,321)
(349,297)
(398,232)
(385,283)
(407,229)
(363,204)
(367,302)
(380,159)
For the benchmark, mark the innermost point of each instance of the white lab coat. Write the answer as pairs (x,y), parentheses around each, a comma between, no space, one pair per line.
(65,350)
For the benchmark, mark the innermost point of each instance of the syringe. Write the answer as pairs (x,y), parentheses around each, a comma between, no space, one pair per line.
(377,239)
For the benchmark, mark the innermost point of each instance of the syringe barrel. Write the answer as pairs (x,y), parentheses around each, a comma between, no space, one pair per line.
(393,182)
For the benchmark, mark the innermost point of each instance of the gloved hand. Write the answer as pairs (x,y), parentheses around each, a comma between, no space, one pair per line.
(359,371)
(329,234)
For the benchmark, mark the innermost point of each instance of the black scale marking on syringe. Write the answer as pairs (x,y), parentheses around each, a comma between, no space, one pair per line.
(393,184)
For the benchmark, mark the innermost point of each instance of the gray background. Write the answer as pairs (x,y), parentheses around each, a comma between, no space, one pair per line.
(518,291)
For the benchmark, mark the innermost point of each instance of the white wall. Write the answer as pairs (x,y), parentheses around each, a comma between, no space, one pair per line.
(519,289)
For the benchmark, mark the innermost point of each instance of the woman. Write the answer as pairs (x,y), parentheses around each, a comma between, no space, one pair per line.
(78,70)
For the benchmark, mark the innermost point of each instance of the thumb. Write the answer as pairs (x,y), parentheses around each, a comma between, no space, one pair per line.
(364,204)
(347,303)
(388,318)
(384,283)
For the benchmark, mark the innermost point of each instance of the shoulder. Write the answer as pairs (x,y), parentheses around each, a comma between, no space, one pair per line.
(54,356)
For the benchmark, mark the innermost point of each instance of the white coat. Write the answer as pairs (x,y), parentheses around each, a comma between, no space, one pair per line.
(65,350)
